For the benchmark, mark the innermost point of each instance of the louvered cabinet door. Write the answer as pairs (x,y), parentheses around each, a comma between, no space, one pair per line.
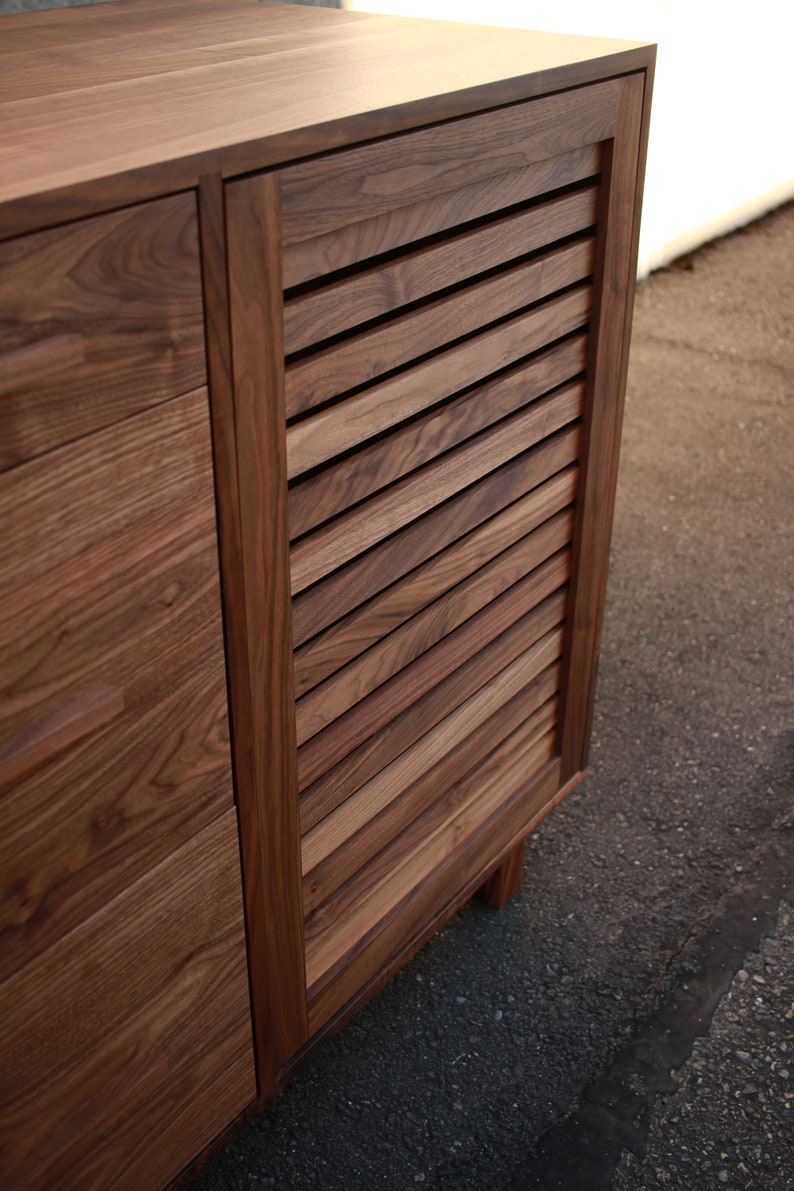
(434,323)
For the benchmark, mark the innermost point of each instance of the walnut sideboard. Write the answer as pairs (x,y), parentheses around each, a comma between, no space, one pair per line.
(313,343)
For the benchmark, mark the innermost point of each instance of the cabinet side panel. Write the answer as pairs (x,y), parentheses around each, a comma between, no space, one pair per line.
(269,806)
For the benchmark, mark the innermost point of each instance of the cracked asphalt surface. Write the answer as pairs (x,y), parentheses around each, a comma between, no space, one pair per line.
(626,1021)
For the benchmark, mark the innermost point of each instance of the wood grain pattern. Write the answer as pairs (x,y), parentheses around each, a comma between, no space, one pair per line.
(99,320)
(360,359)
(370,932)
(241,677)
(499,587)
(450,734)
(440,440)
(351,585)
(331,491)
(360,848)
(357,242)
(351,909)
(382,289)
(114,583)
(92,709)
(189,33)
(607,382)
(432,899)
(337,740)
(269,813)
(22,366)
(330,790)
(368,800)
(326,193)
(354,532)
(347,424)
(135,1026)
(246,111)
(439,904)
(364,626)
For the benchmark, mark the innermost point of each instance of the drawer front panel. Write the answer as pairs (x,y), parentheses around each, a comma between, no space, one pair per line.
(113,721)
(100,319)
(434,393)
(134,1027)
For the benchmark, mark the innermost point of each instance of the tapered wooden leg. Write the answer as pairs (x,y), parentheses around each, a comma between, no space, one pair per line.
(506,881)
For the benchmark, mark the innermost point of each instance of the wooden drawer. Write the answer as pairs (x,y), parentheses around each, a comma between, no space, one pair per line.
(101,318)
(113,718)
(132,1035)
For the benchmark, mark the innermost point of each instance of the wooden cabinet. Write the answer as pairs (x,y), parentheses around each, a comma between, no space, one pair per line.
(310,402)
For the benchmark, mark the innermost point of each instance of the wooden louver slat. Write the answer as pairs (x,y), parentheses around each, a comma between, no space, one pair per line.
(360,847)
(318,438)
(329,192)
(355,361)
(394,696)
(351,479)
(434,398)
(407,500)
(364,577)
(374,905)
(497,588)
(362,763)
(342,304)
(327,252)
(388,784)
(533,724)
(343,641)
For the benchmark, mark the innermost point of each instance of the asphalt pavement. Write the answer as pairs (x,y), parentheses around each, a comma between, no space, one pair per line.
(627,1021)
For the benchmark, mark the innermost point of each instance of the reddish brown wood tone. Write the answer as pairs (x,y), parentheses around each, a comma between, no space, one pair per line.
(316,439)
(345,860)
(417,494)
(371,811)
(111,583)
(325,194)
(100,320)
(158,1048)
(351,585)
(603,420)
(310,400)
(379,750)
(269,809)
(356,242)
(358,630)
(349,481)
(330,371)
(433,876)
(505,882)
(494,595)
(34,745)
(374,898)
(342,304)
(228,114)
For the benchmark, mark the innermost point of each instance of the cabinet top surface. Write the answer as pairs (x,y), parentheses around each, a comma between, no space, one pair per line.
(157,92)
